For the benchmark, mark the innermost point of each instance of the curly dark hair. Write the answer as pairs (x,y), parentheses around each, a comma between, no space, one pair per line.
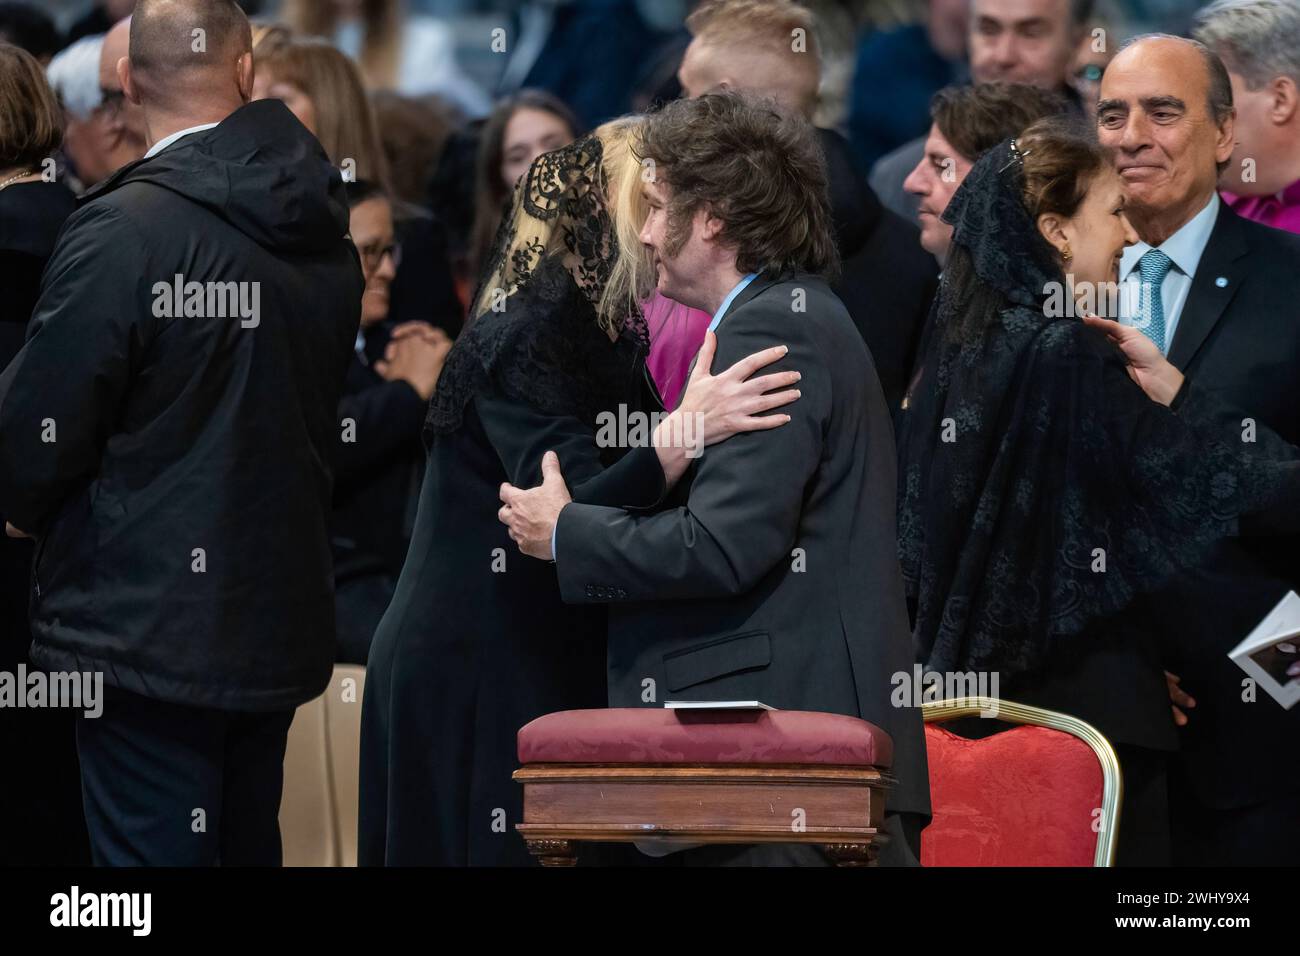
(759,170)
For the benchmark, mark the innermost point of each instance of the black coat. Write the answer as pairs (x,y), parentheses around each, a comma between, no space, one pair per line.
(376,475)
(182,512)
(42,819)
(376,483)
(477,641)
(886,281)
(770,571)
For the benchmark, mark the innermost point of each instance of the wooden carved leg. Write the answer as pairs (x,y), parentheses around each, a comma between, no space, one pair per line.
(554,852)
(851,854)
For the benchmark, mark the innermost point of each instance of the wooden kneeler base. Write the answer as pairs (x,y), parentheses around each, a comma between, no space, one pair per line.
(567,804)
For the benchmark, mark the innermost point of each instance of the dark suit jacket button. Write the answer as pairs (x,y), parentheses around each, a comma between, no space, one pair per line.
(591,591)
(621,593)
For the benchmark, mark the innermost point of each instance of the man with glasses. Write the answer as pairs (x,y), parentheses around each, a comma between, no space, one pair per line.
(122,135)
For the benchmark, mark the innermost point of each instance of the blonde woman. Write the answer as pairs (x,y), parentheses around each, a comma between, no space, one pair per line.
(413,55)
(477,642)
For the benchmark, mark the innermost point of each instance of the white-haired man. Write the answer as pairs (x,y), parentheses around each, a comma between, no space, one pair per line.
(1259,43)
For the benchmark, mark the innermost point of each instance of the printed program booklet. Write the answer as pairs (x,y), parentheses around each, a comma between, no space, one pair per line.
(1272,649)
(716,705)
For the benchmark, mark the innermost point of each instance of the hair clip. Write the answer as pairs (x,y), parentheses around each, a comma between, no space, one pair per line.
(1016,157)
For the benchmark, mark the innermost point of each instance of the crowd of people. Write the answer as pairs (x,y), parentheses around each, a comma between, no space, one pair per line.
(310,341)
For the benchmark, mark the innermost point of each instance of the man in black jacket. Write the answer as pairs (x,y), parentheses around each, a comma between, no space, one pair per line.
(165,435)
(770,572)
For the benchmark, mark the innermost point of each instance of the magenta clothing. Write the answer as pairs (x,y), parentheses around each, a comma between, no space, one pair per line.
(676,334)
(1281,211)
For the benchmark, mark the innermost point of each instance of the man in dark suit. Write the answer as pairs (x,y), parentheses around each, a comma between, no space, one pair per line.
(769,572)
(1223,309)
(165,435)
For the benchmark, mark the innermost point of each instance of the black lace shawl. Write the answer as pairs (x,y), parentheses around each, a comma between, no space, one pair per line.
(540,340)
(1039,489)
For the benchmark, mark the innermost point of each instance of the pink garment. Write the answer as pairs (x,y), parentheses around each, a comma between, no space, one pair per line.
(676,334)
(1281,211)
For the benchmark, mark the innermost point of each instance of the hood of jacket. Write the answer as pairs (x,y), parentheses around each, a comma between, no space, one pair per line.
(855,208)
(260,170)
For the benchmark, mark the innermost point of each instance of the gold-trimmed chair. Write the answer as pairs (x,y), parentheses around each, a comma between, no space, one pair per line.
(1044,793)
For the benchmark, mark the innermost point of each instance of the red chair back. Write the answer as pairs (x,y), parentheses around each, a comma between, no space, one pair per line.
(1028,796)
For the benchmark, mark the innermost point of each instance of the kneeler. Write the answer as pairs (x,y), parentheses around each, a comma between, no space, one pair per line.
(662,778)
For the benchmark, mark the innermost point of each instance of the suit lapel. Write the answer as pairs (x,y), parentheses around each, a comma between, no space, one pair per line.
(1218,277)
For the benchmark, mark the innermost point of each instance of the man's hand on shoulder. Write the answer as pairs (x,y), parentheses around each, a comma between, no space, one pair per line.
(532,515)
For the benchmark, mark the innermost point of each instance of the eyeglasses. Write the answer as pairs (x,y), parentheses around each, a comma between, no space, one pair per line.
(111,98)
(1089,73)
(373,255)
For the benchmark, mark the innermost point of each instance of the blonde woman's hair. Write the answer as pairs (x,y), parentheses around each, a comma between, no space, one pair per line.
(633,278)
(345,120)
(381,31)
(631,275)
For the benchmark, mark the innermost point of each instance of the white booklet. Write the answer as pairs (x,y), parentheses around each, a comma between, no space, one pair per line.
(716,705)
(1272,649)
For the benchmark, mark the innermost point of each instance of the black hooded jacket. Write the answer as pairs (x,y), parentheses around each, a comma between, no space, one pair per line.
(173,464)
(886,281)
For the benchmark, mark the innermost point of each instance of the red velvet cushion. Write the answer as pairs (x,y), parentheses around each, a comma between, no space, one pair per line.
(659,735)
(1023,797)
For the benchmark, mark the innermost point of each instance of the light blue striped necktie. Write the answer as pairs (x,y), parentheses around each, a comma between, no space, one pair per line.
(1153,266)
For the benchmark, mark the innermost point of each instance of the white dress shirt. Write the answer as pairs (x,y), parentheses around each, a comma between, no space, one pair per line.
(166,141)
(1184,248)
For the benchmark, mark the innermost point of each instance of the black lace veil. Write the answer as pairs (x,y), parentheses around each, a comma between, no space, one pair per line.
(543,326)
(1039,489)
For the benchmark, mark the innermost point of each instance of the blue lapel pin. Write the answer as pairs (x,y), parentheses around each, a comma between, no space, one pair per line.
(1221,282)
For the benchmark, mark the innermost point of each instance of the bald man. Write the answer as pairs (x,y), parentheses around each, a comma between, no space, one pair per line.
(1226,316)
(769,48)
(165,435)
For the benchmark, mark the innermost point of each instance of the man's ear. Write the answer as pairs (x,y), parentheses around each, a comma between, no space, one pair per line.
(1225,141)
(1051,228)
(124,77)
(712,226)
(244,76)
(1284,93)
